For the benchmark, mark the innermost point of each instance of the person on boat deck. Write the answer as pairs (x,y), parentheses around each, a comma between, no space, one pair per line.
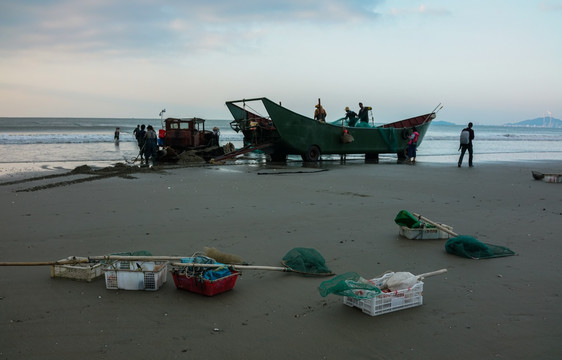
(350,116)
(150,144)
(363,113)
(468,146)
(320,113)
(413,144)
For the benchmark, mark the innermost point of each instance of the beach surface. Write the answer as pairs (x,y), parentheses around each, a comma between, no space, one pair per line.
(502,308)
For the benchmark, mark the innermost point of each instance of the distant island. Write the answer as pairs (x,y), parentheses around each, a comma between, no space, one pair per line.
(546,122)
(442,123)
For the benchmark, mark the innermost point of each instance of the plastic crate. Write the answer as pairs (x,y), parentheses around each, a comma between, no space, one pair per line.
(388,301)
(425,233)
(552,178)
(204,286)
(82,271)
(136,275)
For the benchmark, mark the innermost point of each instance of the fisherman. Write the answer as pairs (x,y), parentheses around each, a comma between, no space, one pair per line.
(215,138)
(150,144)
(320,113)
(350,116)
(412,145)
(363,113)
(136,132)
(467,135)
(116,137)
(140,142)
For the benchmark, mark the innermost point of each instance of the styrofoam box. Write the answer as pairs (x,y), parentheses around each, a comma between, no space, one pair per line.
(81,271)
(388,302)
(553,178)
(136,275)
(425,233)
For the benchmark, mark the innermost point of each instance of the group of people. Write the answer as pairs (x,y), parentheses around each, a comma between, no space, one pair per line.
(362,116)
(467,135)
(350,116)
(147,141)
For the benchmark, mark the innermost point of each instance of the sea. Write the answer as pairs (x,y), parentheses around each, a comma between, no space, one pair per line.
(44,144)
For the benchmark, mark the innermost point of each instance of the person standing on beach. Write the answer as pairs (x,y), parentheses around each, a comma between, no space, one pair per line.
(150,144)
(467,135)
(140,142)
(320,113)
(136,132)
(413,144)
(116,136)
(215,136)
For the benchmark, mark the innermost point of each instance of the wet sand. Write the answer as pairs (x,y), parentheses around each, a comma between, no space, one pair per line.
(504,308)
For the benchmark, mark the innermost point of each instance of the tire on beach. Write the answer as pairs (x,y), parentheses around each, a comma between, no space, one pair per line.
(312,154)
(372,158)
(402,156)
(406,134)
(278,157)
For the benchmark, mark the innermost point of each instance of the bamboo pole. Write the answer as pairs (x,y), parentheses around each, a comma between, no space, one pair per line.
(72,261)
(437,225)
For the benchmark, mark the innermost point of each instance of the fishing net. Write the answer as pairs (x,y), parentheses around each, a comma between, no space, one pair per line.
(306,261)
(349,284)
(404,218)
(469,247)
(205,272)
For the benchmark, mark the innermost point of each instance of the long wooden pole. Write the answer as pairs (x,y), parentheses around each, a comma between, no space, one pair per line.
(44,263)
(432,273)
(236,267)
(439,226)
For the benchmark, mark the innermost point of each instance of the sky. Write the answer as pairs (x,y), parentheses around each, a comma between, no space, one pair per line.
(486,61)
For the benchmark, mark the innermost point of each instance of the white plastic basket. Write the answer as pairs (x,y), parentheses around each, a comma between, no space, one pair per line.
(388,301)
(136,275)
(81,271)
(425,233)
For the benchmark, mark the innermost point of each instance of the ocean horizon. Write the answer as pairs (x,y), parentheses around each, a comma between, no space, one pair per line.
(41,143)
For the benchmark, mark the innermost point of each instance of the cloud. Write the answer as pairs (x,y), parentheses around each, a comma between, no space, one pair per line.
(151,26)
(549,7)
(420,10)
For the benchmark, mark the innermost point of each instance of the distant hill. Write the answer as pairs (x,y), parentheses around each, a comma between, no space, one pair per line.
(442,123)
(539,122)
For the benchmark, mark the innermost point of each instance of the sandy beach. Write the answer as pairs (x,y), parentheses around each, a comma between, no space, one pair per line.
(503,308)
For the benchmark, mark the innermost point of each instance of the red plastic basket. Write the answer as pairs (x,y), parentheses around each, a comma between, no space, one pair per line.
(204,286)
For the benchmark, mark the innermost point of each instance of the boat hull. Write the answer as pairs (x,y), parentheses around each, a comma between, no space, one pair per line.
(293,134)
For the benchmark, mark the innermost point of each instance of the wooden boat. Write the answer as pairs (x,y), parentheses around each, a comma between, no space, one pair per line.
(551,178)
(283,132)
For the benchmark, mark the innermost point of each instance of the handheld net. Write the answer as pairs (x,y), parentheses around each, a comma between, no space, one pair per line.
(306,261)
(405,218)
(469,247)
(349,284)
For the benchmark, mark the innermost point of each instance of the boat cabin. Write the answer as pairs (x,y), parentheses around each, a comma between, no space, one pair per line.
(186,133)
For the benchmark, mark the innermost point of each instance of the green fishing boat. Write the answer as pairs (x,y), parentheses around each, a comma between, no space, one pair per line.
(283,132)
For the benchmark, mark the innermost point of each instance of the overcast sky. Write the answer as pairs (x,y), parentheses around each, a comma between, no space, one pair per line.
(487,61)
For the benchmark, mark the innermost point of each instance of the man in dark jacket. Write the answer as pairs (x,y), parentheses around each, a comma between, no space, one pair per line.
(466,146)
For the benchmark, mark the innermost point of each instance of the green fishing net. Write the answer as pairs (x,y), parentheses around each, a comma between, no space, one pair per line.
(349,284)
(404,218)
(469,247)
(306,261)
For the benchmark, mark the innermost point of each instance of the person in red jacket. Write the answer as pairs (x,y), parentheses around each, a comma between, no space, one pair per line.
(413,144)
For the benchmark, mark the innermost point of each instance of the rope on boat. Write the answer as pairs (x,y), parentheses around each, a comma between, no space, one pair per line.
(253,110)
